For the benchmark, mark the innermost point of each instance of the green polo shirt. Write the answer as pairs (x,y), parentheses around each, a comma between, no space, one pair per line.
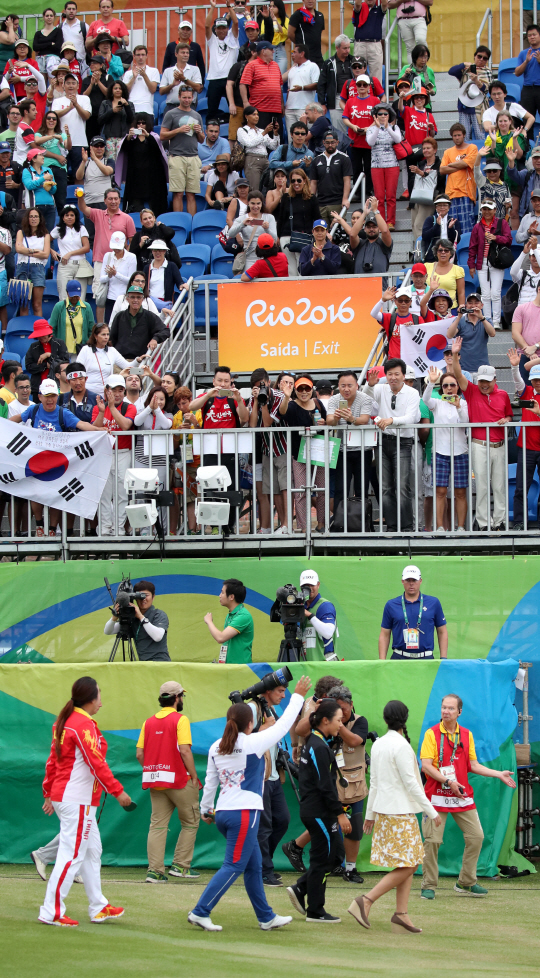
(239,646)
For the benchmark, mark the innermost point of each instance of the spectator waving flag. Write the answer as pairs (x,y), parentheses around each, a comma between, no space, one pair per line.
(423,346)
(66,470)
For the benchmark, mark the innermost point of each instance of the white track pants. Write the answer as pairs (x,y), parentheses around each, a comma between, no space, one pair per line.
(79,850)
(48,853)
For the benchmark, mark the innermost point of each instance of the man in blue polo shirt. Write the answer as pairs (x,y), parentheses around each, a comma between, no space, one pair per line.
(411,620)
(319,631)
(529,65)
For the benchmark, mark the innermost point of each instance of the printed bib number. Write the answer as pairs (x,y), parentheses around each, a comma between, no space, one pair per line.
(411,638)
(222,653)
(309,637)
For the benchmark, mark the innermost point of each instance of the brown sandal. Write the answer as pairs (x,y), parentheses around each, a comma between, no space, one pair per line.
(400,927)
(357,910)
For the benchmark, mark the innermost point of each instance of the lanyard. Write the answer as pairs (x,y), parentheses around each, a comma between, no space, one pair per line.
(454,750)
(419,613)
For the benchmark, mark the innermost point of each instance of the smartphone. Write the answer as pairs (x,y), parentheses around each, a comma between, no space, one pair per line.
(224,393)
(527,404)
(135,369)
(448,397)
(256,222)
(342,405)
(137,132)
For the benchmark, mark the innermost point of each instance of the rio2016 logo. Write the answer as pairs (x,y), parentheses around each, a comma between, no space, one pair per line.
(258,313)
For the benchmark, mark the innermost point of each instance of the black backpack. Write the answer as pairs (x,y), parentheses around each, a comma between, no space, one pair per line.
(61,422)
(392,325)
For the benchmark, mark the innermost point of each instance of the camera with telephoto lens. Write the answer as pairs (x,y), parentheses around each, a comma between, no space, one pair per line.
(284,762)
(281,677)
(289,605)
(263,394)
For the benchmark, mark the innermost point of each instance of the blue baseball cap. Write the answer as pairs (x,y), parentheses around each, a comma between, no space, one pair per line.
(534,373)
(320,224)
(5,148)
(73,287)
(263,46)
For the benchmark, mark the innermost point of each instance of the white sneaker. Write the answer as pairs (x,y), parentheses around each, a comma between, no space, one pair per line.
(39,864)
(460,529)
(441,529)
(78,879)
(264,529)
(276,921)
(203,922)
(281,529)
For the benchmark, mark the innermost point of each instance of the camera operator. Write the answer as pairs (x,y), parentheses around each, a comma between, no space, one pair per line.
(275,816)
(236,639)
(263,410)
(351,760)
(165,755)
(148,629)
(319,632)
(294,849)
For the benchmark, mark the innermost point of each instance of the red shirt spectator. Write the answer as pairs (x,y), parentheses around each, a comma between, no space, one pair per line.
(261,270)
(265,81)
(418,123)
(16,67)
(533,434)
(350,90)
(111,424)
(41,106)
(394,348)
(114,27)
(74,66)
(358,111)
(487,407)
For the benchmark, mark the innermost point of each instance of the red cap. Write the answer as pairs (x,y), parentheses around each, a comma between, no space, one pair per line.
(265,241)
(251,23)
(419,267)
(41,328)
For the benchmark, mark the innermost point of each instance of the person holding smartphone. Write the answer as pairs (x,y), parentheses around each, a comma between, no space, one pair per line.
(449,408)
(348,409)
(222,407)
(251,225)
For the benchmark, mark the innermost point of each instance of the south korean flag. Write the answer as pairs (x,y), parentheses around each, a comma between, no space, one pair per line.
(423,345)
(65,470)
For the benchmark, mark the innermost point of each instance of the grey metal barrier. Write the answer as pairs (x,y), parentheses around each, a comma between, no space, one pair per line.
(390,490)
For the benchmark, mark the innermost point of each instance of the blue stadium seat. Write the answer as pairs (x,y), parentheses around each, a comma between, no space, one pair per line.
(51,287)
(12,355)
(505,72)
(206,227)
(195,259)
(181,221)
(224,130)
(534,493)
(17,336)
(70,193)
(513,92)
(224,106)
(199,301)
(20,325)
(137,221)
(202,104)
(47,305)
(222,262)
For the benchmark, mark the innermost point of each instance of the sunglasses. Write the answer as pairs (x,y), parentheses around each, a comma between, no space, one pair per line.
(449,387)
(297,181)
(481,57)
(304,389)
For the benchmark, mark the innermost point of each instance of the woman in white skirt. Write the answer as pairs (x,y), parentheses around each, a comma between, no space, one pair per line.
(395,796)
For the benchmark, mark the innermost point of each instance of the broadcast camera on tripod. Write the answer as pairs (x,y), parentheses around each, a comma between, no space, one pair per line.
(125,596)
(281,677)
(289,609)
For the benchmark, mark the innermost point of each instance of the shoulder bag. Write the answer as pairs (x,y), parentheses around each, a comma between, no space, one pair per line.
(238,157)
(424,188)
(239,263)
(20,288)
(402,149)
(500,256)
(299,239)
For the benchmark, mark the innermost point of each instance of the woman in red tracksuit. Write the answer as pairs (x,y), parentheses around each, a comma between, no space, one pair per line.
(75,775)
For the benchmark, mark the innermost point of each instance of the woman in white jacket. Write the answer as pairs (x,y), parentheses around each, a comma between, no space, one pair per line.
(236,764)
(395,796)
(448,443)
(154,451)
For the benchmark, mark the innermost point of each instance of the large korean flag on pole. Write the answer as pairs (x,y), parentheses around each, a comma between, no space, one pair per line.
(65,470)
(423,346)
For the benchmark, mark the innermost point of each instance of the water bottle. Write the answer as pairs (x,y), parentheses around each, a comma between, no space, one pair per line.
(316,416)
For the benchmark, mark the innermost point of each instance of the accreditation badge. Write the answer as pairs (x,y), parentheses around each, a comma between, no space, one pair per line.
(411,637)
(222,653)
(449,772)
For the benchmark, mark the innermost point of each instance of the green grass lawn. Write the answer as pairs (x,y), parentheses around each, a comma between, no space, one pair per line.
(497,936)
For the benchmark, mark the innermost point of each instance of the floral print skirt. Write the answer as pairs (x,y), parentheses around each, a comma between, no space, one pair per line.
(396,841)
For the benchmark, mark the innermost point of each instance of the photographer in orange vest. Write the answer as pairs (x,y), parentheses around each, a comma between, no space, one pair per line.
(164,752)
(448,755)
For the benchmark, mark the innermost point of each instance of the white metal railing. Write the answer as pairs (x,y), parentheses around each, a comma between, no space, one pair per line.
(391,496)
(487,18)
(176,353)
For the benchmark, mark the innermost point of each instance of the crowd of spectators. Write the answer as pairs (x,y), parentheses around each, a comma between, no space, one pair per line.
(78,108)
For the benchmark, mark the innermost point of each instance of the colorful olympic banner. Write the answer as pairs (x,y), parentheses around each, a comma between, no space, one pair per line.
(66,470)
(302,324)
(423,346)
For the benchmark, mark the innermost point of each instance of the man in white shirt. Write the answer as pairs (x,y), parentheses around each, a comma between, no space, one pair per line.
(396,406)
(142,81)
(22,399)
(498,93)
(223,52)
(181,74)
(529,222)
(74,30)
(301,78)
(74,110)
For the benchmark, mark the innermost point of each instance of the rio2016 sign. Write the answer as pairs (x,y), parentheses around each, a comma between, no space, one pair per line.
(301,324)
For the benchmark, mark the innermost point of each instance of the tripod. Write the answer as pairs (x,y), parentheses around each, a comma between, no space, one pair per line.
(129,652)
(291,648)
